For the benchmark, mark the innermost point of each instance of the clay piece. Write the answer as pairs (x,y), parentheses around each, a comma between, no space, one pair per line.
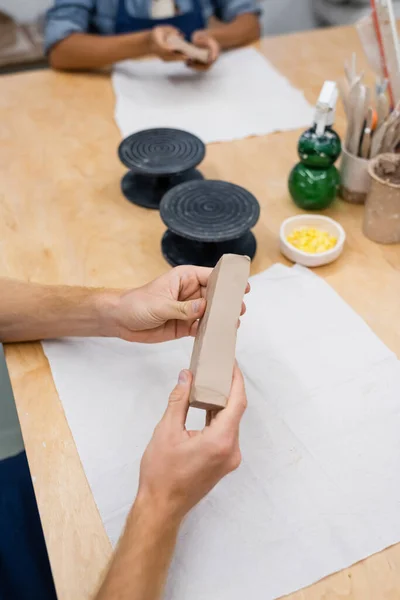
(213,354)
(193,52)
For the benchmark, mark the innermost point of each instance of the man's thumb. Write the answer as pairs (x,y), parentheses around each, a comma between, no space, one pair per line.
(185,311)
(178,403)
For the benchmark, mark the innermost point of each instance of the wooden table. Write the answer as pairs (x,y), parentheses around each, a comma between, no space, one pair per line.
(63,219)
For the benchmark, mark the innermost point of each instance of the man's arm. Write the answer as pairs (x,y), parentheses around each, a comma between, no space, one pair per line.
(30,311)
(178,469)
(140,565)
(165,309)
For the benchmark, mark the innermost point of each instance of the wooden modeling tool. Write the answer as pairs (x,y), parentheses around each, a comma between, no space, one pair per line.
(213,356)
(193,52)
(366,138)
(378,35)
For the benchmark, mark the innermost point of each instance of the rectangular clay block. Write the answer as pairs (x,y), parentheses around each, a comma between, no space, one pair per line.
(213,356)
(190,50)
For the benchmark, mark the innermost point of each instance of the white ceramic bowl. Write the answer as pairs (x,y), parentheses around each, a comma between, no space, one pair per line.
(319,222)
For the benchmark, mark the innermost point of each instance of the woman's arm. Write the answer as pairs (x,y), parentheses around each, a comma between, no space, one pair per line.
(242,30)
(81,51)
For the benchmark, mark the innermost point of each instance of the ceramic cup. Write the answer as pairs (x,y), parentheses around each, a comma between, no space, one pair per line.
(382,207)
(355,181)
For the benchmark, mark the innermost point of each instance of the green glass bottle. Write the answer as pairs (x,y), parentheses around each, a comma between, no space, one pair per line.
(313,189)
(314,181)
(320,151)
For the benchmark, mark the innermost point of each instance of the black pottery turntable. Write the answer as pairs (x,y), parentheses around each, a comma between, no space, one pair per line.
(158,160)
(207,219)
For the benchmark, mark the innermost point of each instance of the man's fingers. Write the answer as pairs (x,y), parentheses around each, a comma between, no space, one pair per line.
(201,274)
(184,311)
(178,403)
(237,401)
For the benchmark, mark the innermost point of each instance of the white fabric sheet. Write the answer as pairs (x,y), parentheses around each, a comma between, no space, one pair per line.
(319,485)
(241,95)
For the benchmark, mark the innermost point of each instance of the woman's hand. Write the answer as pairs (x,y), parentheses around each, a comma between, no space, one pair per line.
(159,43)
(203,39)
(168,308)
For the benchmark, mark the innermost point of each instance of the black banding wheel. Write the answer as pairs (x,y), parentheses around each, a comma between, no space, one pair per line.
(207,219)
(158,160)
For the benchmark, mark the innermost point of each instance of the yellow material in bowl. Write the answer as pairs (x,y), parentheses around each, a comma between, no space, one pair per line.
(311,240)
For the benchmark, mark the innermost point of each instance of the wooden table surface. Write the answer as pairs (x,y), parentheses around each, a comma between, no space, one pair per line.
(64,220)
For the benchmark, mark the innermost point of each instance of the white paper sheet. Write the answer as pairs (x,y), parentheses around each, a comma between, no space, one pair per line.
(319,485)
(241,95)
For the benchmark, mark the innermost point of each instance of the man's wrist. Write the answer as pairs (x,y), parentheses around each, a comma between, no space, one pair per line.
(155,515)
(163,510)
(105,307)
(88,312)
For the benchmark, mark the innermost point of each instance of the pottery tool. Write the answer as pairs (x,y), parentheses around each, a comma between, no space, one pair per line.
(344,90)
(366,138)
(355,97)
(370,130)
(350,69)
(382,107)
(388,144)
(359,106)
(158,159)
(213,356)
(177,43)
(378,35)
(207,219)
(377,139)
(386,137)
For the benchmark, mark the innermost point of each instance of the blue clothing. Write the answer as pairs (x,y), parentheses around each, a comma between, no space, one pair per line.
(24,566)
(100,16)
(187,22)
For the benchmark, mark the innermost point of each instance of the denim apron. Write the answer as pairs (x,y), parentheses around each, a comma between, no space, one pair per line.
(187,23)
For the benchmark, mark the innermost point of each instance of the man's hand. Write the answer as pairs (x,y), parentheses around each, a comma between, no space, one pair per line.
(159,43)
(168,308)
(179,467)
(203,39)
(165,309)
